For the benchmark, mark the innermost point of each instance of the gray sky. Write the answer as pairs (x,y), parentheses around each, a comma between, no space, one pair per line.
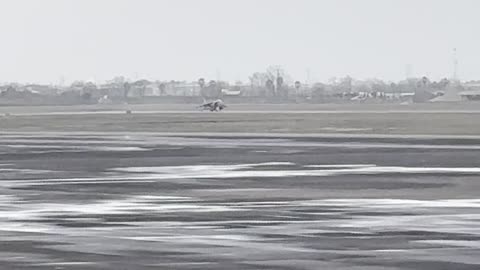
(187,39)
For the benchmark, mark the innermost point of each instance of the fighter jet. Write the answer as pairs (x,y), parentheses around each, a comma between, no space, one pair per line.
(213,106)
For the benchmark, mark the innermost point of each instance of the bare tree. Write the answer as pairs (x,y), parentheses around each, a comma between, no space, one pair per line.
(201,83)
(270,87)
(258,79)
(278,75)
(298,84)
(162,88)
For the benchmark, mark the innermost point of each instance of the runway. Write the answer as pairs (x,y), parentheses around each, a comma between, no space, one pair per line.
(469,108)
(234,112)
(205,201)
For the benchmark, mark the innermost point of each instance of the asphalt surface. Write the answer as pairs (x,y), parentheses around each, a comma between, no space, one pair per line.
(261,108)
(160,201)
(381,122)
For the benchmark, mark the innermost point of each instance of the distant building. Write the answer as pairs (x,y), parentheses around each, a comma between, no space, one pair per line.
(176,88)
(471,92)
(41,89)
(231,92)
(470,95)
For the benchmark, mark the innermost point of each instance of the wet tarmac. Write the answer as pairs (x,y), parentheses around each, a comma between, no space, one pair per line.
(179,201)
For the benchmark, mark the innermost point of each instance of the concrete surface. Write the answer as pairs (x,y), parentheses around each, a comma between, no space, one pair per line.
(133,200)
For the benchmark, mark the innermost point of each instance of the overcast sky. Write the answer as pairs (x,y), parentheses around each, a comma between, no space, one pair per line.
(42,40)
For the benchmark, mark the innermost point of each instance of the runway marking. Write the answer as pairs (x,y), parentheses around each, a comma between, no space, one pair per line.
(117,112)
(257,218)
(162,173)
(142,142)
(456,243)
(141,135)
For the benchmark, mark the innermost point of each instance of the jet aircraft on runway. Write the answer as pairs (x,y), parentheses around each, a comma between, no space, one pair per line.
(213,106)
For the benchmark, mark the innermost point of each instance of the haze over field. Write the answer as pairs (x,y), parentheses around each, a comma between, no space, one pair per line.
(239,134)
(228,40)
